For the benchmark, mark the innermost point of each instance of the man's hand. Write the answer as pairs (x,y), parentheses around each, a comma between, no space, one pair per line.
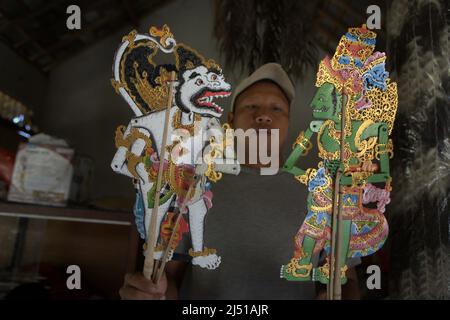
(137,287)
(322,295)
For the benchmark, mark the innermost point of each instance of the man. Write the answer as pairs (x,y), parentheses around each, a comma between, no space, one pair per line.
(254,217)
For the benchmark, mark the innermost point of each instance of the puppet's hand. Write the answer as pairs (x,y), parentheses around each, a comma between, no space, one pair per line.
(368,166)
(201,169)
(232,168)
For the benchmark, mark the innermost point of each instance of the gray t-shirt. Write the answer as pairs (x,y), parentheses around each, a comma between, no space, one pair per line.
(252,225)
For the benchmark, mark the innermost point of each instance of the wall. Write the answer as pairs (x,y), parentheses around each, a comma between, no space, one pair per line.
(21,80)
(82,106)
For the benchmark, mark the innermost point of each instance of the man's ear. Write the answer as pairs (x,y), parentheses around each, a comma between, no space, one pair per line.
(230,119)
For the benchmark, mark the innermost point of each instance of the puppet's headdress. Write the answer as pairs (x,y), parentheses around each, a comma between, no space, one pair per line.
(139,79)
(354,48)
(359,70)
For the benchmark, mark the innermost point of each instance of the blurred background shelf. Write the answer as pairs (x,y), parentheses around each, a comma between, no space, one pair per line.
(80,214)
(38,243)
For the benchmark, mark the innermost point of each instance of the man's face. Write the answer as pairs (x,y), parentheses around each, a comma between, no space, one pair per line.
(262,106)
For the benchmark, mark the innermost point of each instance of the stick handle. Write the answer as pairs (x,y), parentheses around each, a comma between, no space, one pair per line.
(331,282)
(160,268)
(334,285)
(151,233)
(162,265)
(337,295)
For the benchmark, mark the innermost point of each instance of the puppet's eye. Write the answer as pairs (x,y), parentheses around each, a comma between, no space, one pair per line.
(199,82)
(214,77)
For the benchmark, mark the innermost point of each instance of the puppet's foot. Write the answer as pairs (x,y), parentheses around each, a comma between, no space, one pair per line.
(169,255)
(343,274)
(294,271)
(159,251)
(205,259)
(322,274)
(158,254)
(210,262)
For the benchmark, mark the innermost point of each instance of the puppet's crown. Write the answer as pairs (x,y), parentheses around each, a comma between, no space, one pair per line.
(139,79)
(359,72)
(354,48)
(349,60)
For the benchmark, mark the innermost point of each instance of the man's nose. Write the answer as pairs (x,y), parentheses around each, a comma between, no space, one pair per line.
(263,119)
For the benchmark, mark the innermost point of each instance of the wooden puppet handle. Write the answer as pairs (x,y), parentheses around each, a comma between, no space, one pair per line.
(331,282)
(334,288)
(151,233)
(334,284)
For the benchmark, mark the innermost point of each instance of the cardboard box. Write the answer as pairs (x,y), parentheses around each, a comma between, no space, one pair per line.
(42,173)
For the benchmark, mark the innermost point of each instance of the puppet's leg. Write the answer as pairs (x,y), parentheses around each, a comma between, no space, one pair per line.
(364,231)
(369,231)
(309,240)
(202,256)
(322,273)
(314,233)
(148,189)
(362,235)
(351,208)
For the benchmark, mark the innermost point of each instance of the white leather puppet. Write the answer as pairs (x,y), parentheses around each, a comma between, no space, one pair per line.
(194,134)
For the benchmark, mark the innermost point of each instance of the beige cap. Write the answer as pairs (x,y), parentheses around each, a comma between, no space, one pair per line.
(269,71)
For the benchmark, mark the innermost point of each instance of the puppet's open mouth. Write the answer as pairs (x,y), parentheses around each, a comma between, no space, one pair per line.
(320,109)
(205,99)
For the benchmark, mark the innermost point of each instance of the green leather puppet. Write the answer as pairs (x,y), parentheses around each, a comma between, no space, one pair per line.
(354,79)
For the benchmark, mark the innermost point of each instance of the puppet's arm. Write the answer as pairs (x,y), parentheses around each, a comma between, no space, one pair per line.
(300,148)
(383,151)
(128,160)
(220,150)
